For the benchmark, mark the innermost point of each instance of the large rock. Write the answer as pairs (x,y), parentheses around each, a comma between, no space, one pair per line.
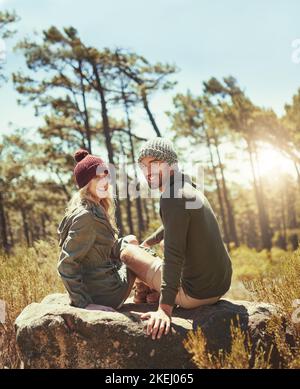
(53,334)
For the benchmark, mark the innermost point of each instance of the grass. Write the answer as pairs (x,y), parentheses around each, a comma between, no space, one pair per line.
(249,264)
(29,274)
(238,358)
(26,276)
(274,280)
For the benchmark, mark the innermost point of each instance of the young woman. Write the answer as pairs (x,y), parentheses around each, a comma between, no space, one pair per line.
(89,262)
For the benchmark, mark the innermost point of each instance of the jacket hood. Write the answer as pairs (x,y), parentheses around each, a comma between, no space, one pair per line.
(63,228)
(67,220)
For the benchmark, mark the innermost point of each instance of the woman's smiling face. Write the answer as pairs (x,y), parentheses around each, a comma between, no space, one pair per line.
(99,186)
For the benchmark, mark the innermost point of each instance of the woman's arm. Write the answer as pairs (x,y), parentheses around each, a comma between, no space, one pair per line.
(80,239)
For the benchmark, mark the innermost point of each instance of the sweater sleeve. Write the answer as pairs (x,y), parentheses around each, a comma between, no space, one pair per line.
(80,239)
(176,222)
(117,248)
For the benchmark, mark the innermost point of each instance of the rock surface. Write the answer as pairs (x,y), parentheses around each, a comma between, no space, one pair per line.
(53,334)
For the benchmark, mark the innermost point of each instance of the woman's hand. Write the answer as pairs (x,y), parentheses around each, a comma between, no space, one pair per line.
(97,307)
(159,323)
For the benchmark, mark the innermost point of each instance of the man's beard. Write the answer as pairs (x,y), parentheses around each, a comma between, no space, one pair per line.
(156,183)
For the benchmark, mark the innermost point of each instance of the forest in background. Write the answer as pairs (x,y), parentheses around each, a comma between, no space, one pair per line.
(77,90)
(90,97)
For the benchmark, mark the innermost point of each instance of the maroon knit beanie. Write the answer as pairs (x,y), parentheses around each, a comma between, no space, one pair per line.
(86,167)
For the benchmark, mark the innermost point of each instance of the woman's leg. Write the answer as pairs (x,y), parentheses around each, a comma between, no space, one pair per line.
(139,261)
(131,278)
(148,269)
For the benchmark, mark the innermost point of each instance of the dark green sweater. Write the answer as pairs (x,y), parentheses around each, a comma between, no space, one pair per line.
(195,255)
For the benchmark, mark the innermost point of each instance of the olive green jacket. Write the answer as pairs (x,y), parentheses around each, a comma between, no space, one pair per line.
(89,256)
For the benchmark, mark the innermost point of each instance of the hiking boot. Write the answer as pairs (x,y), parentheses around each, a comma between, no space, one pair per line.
(152,297)
(140,292)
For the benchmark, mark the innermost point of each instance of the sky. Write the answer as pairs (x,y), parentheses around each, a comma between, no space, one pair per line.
(251,40)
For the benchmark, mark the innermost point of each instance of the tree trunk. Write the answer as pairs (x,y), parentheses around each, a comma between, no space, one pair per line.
(224,222)
(153,209)
(3,226)
(283,221)
(86,115)
(264,227)
(298,172)
(230,213)
(104,114)
(25,226)
(252,238)
(43,225)
(146,212)
(141,224)
(262,198)
(291,213)
(9,231)
(128,200)
(107,135)
(62,185)
(149,113)
(129,213)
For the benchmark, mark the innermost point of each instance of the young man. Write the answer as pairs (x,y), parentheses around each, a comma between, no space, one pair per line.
(196,269)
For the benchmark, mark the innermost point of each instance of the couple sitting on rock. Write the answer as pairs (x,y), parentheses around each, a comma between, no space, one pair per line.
(97,268)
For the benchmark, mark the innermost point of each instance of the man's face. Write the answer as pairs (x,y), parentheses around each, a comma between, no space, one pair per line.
(156,172)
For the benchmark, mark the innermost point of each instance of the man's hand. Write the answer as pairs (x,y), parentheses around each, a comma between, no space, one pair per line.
(145,244)
(159,323)
(162,244)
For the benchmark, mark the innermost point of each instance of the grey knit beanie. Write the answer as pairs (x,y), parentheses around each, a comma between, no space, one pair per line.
(159,148)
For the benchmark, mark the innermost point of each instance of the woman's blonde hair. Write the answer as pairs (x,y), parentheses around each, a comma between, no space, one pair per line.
(107,203)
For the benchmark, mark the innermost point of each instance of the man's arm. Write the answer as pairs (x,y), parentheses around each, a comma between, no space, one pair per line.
(176,222)
(155,238)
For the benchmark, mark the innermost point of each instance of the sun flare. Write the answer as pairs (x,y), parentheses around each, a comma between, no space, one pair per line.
(272,161)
